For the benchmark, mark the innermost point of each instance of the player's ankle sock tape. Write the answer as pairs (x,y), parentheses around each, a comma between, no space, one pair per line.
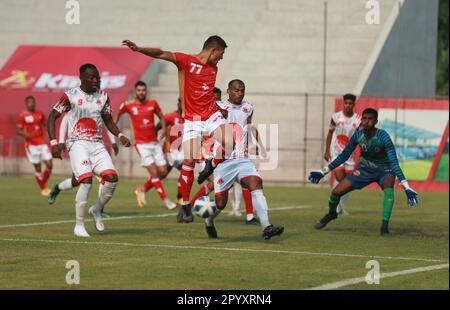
(260,207)
(333,203)
(81,200)
(388,203)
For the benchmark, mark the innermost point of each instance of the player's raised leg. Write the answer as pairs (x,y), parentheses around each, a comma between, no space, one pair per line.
(191,148)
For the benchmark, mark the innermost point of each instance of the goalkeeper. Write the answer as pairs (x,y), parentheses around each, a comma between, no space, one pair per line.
(378,163)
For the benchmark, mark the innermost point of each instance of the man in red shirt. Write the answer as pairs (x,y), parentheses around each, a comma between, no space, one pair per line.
(30,125)
(197,77)
(142,112)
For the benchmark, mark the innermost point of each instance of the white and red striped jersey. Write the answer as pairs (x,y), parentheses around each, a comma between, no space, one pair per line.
(344,128)
(85,117)
(240,117)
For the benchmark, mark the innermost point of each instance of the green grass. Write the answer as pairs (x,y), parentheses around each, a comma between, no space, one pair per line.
(442,170)
(416,170)
(158,253)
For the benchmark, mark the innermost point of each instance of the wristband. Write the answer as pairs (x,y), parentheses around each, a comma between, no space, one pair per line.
(53,142)
(325,170)
(405,184)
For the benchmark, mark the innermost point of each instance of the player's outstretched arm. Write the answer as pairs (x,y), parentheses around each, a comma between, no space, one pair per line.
(316,175)
(153,52)
(411,195)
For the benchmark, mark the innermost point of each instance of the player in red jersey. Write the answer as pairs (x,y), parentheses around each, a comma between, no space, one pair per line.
(30,125)
(197,76)
(142,113)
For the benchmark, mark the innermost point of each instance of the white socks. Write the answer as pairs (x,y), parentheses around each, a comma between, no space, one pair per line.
(236,196)
(342,201)
(81,200)
(65,185)
(260,207)
(106,192)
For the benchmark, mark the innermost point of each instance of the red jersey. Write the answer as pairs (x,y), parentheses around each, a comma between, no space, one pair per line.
(33,123)
(175,121)
(196,81)
(142,119)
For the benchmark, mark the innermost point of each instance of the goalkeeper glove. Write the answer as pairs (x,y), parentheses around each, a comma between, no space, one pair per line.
(410,194)
(316,175)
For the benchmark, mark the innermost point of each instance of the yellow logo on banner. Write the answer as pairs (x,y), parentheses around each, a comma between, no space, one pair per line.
(18,79)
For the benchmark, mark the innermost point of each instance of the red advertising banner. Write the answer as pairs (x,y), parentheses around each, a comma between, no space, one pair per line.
(46,71)
(419,130)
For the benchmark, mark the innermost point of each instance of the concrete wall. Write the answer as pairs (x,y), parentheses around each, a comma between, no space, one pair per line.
(406,66)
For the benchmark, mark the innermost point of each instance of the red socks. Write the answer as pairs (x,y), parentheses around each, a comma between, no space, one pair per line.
(39,180)
(47,174)
(186,180)
(159,188)
(247,200)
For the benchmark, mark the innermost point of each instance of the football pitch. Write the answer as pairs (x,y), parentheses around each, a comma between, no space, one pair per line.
(146,249)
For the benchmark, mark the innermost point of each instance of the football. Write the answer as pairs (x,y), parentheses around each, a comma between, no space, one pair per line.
(204,206)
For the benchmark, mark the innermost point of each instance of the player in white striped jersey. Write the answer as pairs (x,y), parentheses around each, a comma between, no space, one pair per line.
(70,183)
(343,125)
(89,107)
(239,166)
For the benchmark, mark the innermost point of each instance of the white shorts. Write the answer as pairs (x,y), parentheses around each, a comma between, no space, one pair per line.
(196,129)
(150,153)
(348,166)
(38,153)
(175,158)
(233,170)
(88,158)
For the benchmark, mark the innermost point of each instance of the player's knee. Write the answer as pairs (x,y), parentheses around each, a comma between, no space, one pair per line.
(112,178)
(336,192)
(87,180)
(49,165)
(221,200)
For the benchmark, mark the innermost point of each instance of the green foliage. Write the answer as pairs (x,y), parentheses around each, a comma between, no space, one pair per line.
(442,61)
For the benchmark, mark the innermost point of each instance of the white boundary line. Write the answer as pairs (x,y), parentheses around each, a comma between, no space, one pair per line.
(128,218)
(129,244)
(352,281)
